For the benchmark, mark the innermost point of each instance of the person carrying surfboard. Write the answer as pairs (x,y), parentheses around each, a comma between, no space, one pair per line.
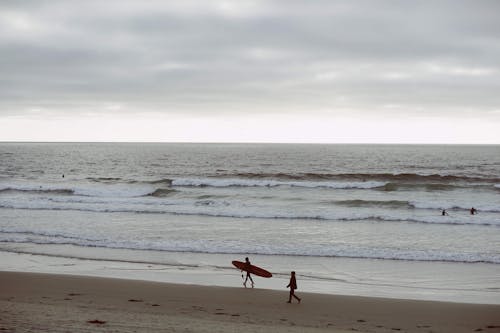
(292,285)
(248,267)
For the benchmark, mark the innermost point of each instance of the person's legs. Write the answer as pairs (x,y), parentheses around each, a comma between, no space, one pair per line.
(247,278)
(292,294)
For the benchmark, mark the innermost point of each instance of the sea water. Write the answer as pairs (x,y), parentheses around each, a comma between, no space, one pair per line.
(364,216)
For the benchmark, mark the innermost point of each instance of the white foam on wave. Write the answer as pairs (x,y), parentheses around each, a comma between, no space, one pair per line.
(438,205)
(32,187)
(224,247)
(115,190)
(238,209)
(82,189)
(233,182)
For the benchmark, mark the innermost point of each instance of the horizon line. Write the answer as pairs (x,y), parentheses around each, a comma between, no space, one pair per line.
(264,143)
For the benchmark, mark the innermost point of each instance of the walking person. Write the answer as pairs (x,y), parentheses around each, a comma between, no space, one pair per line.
(247,265)
(292,285)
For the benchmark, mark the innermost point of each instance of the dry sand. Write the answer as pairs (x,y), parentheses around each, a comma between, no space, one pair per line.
(32,302)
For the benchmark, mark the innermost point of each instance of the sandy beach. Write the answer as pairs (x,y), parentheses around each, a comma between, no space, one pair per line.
(31,302)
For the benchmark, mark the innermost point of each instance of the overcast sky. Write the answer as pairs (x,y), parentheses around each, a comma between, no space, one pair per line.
(250,71)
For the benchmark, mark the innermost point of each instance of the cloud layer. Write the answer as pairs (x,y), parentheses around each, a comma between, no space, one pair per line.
(365,59)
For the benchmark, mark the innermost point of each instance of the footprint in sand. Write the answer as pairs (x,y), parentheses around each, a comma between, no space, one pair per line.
(199,308)
(74,294)
(488,327)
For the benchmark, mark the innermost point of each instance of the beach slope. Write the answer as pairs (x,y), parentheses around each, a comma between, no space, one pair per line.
(31,302)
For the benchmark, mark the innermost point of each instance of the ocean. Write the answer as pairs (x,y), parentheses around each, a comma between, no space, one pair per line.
(354,219)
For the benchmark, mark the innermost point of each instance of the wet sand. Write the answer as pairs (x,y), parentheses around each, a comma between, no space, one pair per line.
(64,303)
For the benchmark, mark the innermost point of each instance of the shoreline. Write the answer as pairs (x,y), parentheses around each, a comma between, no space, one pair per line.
(448,282)
(58,303)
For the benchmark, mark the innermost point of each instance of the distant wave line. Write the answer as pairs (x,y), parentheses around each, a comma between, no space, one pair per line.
(390,177)
(165,187)
(367,254)
(238,182)
(435,220)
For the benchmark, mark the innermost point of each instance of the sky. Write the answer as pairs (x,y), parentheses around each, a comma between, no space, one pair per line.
(251,71)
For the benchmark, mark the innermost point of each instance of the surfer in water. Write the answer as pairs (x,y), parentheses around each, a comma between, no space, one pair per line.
(473,211)
(247,264)
(292,285)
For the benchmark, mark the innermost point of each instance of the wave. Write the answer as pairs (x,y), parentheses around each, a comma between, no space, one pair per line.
(44,238)
(401,204)
(108,190)
(63,191)
(83,257)
(374,203)
(165,181)
(426,187)
(48,234)
(417,178)
(162,192)
(104,179)
(117,187)
(238,182)
(452,207)
(384,177)
(223,209)
(148,189)
(343,183)
(114,180)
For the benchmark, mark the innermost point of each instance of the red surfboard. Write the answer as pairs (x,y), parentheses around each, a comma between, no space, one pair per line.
(253,269)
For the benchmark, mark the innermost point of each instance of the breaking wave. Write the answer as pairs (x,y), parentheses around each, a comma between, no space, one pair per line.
(224,209)
(239,182)
(47,238)
(62,191)
(374,203)
(383,177)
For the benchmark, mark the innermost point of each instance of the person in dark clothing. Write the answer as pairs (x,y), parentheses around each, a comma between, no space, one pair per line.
(292,285)
(247,264)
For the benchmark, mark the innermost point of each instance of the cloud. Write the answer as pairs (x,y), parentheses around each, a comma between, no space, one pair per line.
(437,58)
